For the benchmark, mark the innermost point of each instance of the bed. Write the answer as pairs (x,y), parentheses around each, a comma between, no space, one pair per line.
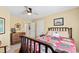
(56,40)
(60,38)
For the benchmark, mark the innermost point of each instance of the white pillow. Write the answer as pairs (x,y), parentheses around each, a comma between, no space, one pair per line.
(64,34)
(55,34)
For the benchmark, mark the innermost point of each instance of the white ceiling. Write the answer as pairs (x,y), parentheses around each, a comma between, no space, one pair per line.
(38,11)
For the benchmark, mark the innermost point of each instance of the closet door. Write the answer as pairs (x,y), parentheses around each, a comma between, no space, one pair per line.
(40,27)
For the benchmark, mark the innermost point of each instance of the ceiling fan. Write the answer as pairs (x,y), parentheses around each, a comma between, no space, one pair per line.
(29,11)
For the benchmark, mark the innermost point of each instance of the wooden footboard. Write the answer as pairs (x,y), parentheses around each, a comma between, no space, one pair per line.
(28,45)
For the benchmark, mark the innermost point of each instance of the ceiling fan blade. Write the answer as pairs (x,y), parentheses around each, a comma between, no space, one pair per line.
(30,9)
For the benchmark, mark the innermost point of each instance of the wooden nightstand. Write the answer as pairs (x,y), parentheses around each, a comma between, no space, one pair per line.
(15,37)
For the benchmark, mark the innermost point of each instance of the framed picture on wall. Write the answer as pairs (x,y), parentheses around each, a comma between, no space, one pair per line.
(59,21)
(2,25)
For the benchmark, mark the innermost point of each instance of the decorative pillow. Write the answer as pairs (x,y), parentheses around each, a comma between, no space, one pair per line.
(55,35)
(64,34)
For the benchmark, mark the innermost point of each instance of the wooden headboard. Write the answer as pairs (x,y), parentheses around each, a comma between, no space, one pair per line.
(61,29)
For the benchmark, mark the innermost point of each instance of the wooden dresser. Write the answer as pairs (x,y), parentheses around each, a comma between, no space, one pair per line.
(15,37)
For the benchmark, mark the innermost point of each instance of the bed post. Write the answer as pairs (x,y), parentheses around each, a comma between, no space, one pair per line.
(70,32)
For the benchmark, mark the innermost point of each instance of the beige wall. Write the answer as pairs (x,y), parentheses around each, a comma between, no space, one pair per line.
(71,19)
(5,38)
(15,20)
(10,22)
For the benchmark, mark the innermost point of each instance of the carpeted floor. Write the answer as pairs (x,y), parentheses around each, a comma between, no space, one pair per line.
(14,48)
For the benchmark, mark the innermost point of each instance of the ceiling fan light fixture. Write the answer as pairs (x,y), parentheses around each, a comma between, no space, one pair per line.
(29,13)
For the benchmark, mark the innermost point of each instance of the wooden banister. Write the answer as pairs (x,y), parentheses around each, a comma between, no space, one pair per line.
(26,48)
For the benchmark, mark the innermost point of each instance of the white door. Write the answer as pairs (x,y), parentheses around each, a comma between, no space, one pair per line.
(40,27)
(30,29)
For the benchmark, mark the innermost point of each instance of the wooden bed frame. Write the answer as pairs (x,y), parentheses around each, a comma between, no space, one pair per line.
(61,29)
(26,48)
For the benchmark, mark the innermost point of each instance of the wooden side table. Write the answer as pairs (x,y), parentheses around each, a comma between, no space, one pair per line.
(3,46)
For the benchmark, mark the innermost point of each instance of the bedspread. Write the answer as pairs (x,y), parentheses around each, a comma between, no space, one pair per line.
(63,44)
